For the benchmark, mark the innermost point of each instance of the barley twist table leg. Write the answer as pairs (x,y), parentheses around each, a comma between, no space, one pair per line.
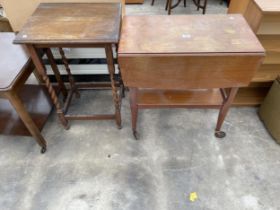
(56,73)
(55,100)
(42,71)
(70,76)
(116,98)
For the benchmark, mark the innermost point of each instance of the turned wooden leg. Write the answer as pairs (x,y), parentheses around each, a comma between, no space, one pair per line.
(223,112)
(185,3)
(134,110)
(42,71)
(198,4)
(116,98)
(70,76)
(122,87)
(56,73)
(27,120)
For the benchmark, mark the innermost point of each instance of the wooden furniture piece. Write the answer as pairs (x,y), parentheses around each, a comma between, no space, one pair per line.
(264,18)
(198,3)
(18,19)
(171,61)
(73,25)
(15,68)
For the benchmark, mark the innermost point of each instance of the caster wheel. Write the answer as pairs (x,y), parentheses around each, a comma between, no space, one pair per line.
(220,134)
(43,150)
(136,135)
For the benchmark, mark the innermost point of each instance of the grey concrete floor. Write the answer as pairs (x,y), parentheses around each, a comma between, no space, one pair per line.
(96,166)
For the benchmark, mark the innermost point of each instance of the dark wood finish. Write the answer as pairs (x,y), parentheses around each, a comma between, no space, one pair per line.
(224,110)
(42,71)
(74,25)
(174,57)
(56,73)
(70,76)
(36,103)
(111,68)
(15,68)
(133,92)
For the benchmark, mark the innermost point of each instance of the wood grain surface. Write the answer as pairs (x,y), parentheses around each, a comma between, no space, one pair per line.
(67,23)
(187,71)
(187,34)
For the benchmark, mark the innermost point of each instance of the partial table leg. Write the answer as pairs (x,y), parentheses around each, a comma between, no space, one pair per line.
(204,7)
(122,88)
(56,73)
(27,120)
(42,71)
(134,110)
(223,112)
(70,76)
(169,6)
(198,4)
(111,68)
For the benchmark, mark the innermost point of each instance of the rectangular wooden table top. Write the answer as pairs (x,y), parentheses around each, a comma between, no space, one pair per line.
(77,23)
(188,52)
(187,34)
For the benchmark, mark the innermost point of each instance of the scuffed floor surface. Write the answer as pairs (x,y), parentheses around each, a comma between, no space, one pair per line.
(96,166)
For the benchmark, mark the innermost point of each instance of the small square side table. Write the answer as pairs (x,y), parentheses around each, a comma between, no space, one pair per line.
(72,25)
